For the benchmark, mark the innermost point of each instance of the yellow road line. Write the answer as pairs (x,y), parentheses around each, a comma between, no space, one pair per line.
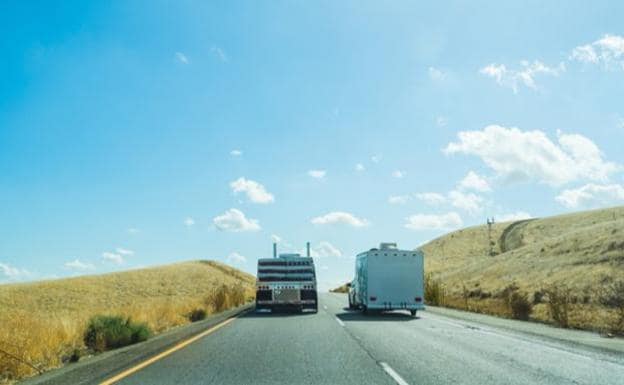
(164,354)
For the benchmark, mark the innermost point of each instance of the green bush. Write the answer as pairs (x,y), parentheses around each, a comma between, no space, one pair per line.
(197,315)
(558,304)
(520,306)
(434,291)
(110,332)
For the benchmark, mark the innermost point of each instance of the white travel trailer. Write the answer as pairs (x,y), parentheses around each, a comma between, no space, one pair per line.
(388,279)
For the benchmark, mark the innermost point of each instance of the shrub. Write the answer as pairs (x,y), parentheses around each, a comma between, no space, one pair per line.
(434,291)
(219,298)
(519,306)
(197,315)
(558,304)
(612,296)
(109,332)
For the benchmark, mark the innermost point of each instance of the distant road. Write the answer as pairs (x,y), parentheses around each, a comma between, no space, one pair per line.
(336,346)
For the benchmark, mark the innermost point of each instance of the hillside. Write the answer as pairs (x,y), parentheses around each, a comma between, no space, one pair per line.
(583,252)
(43,322)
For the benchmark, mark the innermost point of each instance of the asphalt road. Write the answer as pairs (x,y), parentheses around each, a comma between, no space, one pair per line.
(336,346)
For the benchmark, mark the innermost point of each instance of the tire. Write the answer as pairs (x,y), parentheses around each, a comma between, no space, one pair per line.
(413,313)
(365,309)
(351,306)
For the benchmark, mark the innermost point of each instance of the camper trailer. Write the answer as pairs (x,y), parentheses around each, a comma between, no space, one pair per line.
(387,278)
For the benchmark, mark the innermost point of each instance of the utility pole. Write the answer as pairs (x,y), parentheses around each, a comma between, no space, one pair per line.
(490,222)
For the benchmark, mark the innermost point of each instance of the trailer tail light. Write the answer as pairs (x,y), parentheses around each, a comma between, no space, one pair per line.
(418,299)
(373,298)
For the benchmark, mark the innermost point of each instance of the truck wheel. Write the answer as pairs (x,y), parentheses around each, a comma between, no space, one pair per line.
(365,309)
(413,313)
(351,304)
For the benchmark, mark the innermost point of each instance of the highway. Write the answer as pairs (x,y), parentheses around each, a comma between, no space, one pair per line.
(336,346)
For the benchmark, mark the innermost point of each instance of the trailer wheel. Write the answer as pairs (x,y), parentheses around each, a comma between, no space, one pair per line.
(413,313)
(351,306)
(365,309)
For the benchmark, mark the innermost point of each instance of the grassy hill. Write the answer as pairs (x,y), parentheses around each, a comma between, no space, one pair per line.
(43,322)
(580,255)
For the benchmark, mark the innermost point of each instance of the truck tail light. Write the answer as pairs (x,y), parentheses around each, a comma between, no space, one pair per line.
(373,298)
(418,299)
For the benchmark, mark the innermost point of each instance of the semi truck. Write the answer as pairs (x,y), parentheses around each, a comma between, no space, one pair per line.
(387,278)
(287,281)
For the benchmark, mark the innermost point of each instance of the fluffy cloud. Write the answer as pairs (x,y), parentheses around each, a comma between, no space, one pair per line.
(115,258)
(447,221)
(431,198)
(78,265)
(219,54)
(276,238)
(607,52)
(473,181)
(10,273)
(398,199)
(189,222)
(236,259)
(133,231)
(436,74)
(324,249)
(341,217)
(530,155)
(235,221)
(256,192)
(123,251)
(592,195)
(376,158)
(317,174)
(524,76)
(466,201)
(181,58)
(398,174)
(359,167)
(236,152)
(516,216)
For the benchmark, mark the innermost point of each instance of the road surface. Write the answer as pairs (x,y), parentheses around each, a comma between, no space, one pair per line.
(336,346)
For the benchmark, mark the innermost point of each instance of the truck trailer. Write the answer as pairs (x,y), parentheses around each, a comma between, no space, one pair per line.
(287,281)
(388,279)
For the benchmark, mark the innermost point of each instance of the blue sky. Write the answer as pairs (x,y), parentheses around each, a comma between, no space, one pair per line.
(136,133)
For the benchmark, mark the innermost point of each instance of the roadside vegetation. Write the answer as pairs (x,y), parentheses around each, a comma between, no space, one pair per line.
(46,324)
(340,289)
(566,270)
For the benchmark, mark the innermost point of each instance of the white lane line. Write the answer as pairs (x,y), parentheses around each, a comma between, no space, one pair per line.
(395,376)
(340,322)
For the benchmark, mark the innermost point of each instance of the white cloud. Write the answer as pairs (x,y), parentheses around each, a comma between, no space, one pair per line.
(325,249)
(436,74)
(376,158)
(340,217)
(398,199)
(607,52)
(234,220)
(133,231)
(431,198)
(524,76)
(447,221)
(78,265)
(181,58)
(466,201)
(516,216)
(398,174)
(441,121)
(359,167)
(219,54)
(276,238)
(530,155)
(189,222)
(123,251)
(115,258)
(592,195)
(236,152)
(473,181)
(317,174)
(10,273)
(256,192)
(236,259)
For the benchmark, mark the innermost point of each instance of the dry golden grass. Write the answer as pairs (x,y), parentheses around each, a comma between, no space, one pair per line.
(42,323)
(340,289)
(582,251)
